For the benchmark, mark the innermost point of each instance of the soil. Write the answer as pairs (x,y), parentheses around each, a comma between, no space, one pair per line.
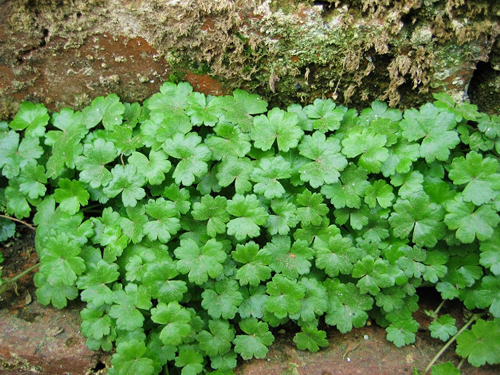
(35,339)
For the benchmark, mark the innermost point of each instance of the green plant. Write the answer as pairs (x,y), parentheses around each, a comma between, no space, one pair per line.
(192,226)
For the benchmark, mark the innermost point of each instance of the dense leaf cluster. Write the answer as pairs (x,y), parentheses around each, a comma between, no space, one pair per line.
(192,225)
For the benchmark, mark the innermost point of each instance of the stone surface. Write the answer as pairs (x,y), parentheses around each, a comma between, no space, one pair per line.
(44,340)
(65,53)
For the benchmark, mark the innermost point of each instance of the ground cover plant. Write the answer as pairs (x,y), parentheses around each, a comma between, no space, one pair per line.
(193,226)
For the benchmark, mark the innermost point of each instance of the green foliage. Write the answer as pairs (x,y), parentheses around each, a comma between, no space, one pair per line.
(191,224)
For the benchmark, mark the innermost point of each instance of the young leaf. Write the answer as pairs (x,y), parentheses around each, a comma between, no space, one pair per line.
(256,340)
(218,339)
(249,216)
(417,215)
(310,338)
(284,296)
(92,163)
(443,328)
(154,168)
(479,175)
(324,115)
(127,181)
(166,222)
(470,221)
(71,195)
(255,264)
(267,174)
(127,303)
(193,155)
(402,332)
(370,146)
(327,162)
(481,344)
(279,126)
(32,118)
(200,262)
(223,300)
(436,128)
(176,320)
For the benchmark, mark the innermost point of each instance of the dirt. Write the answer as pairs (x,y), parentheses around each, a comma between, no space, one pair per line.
(35,339)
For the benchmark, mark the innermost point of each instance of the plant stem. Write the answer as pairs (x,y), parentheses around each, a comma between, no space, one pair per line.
(19,221)
(439,307)
(450,341)
(6,282)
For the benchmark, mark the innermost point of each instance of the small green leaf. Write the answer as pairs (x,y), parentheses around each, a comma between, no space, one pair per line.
(32,118)
(153,168)
(481,344)
(445,369)
(327,162)
(71,195)
(255,264)
(223,300)
(479,175)
(218,339)
(192,154)
(470,221)
(436,128)
(324,115)
(310,338)
(256,340)
(249,216)
(443,328)
(266,175)
(371,147)
(284,296)
(165,221)
(278,125)
(402,332)
(127,303)
(200,262)
(131,357)
(127,181)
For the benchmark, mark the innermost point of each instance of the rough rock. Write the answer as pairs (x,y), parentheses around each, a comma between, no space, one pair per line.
(44,340)
(66,52)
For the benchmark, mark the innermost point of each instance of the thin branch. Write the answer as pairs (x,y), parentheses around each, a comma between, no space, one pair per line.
(6,281)
(19,221)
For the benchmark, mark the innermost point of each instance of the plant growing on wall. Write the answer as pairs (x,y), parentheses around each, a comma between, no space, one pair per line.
(194,226)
